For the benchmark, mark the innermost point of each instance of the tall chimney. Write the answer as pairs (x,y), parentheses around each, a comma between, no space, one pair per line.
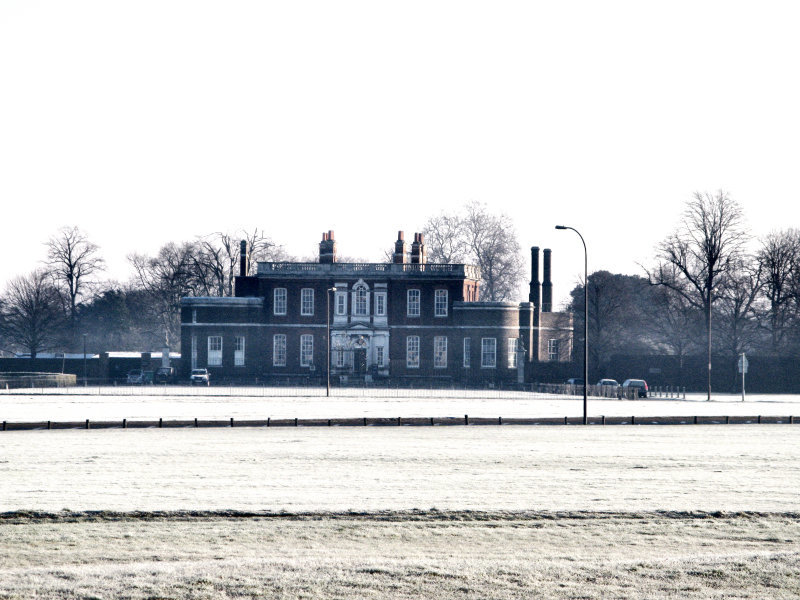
(418,250)
(327,248)
(547,285)
(534,295)
(400,250)
(242,258)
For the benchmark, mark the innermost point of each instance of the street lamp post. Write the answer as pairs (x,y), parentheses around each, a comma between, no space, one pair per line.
(585,319)
(328,339)
(84,361)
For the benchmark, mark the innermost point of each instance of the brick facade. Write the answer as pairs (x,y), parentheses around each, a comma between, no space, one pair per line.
(405,321)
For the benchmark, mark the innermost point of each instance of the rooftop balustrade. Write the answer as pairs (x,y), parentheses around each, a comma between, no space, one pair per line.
(457,271)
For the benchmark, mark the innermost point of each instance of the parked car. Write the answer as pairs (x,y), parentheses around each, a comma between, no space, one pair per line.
(200,376)
(575,381)
(608,383)
(640,385)
(135,377)
(164,375)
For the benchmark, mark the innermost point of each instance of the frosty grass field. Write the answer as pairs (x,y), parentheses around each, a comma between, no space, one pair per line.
(398,512)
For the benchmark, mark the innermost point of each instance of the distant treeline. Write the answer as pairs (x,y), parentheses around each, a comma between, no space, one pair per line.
(711,288)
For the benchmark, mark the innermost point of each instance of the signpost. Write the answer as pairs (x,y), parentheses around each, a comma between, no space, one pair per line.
(743,370)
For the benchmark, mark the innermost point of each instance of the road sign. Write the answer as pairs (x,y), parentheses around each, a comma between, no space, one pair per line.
(743,363)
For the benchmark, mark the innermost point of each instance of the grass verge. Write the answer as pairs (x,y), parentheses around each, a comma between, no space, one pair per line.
(399,554)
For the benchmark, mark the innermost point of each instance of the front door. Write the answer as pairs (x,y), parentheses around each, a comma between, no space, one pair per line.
(360,361)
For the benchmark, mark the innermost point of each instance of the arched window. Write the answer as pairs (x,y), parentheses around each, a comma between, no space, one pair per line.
(360,299)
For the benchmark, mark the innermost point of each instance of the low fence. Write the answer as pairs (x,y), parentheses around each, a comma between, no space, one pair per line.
(400,421)
(529,391)
(9,381)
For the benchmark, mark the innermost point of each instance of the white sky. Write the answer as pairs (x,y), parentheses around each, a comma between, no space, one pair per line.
(143,122)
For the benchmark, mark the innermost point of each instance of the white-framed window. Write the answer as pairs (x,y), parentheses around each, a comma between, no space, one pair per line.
(552,349)
(194,352)
(306,350)
(412,352)
(440,352)
(341,303)
(412,303)
(238,351)
(279,301)
(440,303)
(307,302)
(360,301)
(380,304)
(214,350)
(512,353)
(380,356)
(488,353)
(279,350)
(467,352)
(339,359)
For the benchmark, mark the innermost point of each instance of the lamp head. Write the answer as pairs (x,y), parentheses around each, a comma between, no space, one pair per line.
(560,227)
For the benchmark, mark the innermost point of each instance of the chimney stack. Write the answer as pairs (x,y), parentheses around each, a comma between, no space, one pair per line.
(418,253)
(400,249)
(547,285)
(327,248)
(534,296)
(242,258)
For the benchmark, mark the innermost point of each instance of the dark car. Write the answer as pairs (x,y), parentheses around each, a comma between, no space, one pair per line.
(164,375)
(640,385)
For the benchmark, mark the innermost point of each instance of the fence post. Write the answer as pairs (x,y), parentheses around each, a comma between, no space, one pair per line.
(4,425)
(398,420)
(602,419)
(499,420)
(633,420)
(124,423)
(565,421)
(231,421)
(759,419)
(695,419)
(365,421)
(268,418)
(48,424)
(295,421)
(466,419)
(431,421)
(87,423)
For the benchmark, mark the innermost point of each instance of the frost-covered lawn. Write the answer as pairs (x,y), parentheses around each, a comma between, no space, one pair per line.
(403,512)
(749,467)
(443,556)
(186,403)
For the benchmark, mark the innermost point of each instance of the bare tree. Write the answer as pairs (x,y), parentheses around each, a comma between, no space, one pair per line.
(444,239)
(694,259)
(216,260)
(738,294)
(482,238)
(31,315)
(72,260)
(166,278)
(779,259)
(673,322)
